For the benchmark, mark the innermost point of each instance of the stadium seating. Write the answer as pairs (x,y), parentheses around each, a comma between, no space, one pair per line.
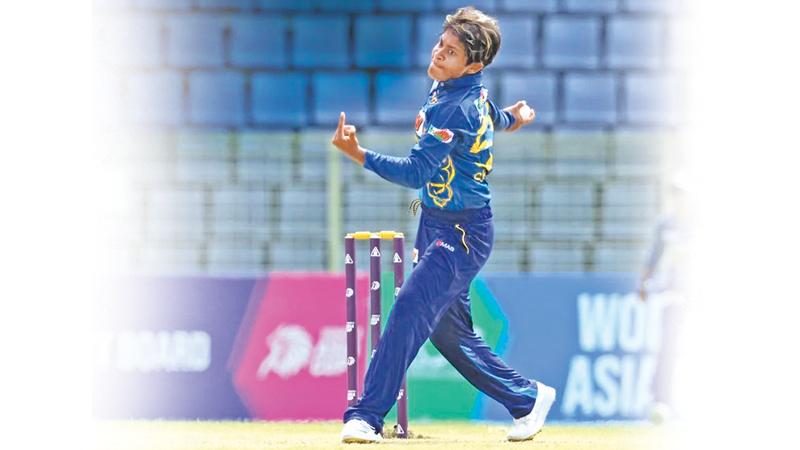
(590,99)
(359,6)
(628,210)
(302,212)
(321,41)
(383,41)
(234,103)
(406,5)
(279,98)
(571,42)
(638,155)
(518,49)
(314,154)
(591,5)
(580,155)
(202,158)
(240,213)
(306,253)
(520,159)
(175,215)
(539,89)
(429,27)
(399,96)
(155,98)
(265,158)
(617,257)
(195,41)
(566,211)
(258,42)
(662,6)
(335,92)
(652,99)
(225,4)
(507,256)
(513,210)
(634,42)
(545,256)
(528,5)
(483,5)
(128,41)
(286,5)
(225,257)
(216,98)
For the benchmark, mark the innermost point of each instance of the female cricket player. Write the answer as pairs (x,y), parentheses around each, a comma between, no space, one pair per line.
(449,165)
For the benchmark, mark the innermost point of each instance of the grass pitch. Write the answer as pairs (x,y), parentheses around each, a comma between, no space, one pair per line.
(202,435)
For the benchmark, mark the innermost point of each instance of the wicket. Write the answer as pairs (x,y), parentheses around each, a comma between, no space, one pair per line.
(374,310)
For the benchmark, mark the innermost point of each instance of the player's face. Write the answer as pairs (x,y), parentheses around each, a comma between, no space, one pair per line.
(449,59)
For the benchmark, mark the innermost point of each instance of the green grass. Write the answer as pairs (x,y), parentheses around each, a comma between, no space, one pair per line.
(182,435)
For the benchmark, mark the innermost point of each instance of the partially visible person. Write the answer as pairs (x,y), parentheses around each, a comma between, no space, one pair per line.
(664,275)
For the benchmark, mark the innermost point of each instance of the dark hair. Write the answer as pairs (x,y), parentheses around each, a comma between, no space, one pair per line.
(478,31)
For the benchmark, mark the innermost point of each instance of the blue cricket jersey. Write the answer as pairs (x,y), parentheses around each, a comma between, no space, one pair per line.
(453,154)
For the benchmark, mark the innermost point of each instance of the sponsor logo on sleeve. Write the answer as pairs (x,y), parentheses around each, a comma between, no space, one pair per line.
(442,134)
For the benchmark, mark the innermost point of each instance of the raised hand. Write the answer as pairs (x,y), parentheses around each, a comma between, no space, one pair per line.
(523,114)
(344,138)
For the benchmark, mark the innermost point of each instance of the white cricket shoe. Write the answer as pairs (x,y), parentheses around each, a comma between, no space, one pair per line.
(526,427)
(357,431)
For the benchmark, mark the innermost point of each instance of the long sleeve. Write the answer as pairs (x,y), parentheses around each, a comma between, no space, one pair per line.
(416,169)
(502,119)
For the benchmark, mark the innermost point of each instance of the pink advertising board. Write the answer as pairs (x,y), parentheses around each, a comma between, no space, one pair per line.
(290,358)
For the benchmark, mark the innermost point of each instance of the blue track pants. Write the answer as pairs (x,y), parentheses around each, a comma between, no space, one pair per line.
(434,303)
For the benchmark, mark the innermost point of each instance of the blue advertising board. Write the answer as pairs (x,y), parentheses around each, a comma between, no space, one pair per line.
(587,335)
(162,348)
(167,347)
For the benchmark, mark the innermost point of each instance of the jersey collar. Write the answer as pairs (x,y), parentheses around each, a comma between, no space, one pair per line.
(465,81)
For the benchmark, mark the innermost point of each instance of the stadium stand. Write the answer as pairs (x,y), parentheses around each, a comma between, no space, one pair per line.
(286,5)
(528,5)
(321,41)
(383,41)
(280,99)
(571,42)
(234,102)
(335,92)
(590,98)
(216,98)
(399,96)
(155,98)
(647,101)
(258,42)
(634,42)
(406,5)
(539,89)
(195,41)
(518,48)
(578,6)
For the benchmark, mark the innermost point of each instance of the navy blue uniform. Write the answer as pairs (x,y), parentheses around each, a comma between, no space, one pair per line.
(449,165)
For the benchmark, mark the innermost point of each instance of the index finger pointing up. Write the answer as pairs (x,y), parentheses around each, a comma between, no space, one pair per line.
(340,127)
